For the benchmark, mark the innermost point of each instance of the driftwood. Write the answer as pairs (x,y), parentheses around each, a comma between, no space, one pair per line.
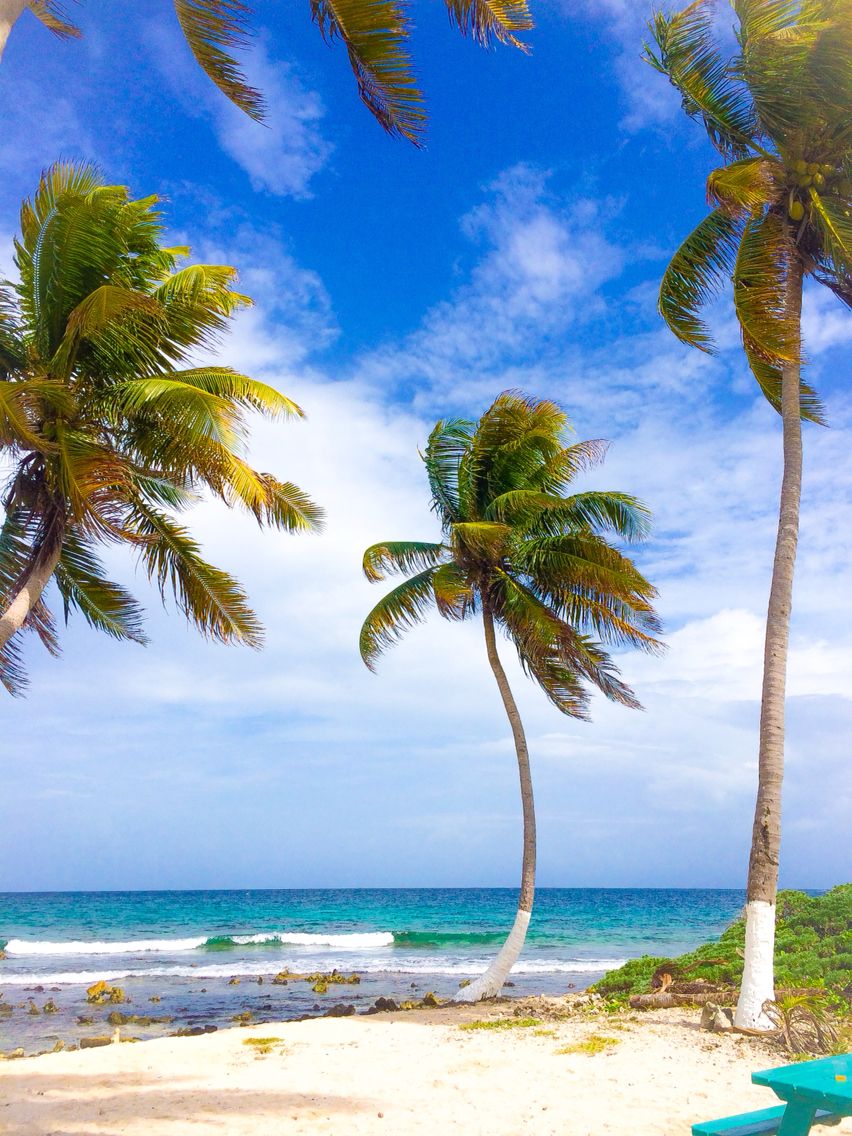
(665,999)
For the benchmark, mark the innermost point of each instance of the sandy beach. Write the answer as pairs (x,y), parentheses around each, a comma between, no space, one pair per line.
(398,1073)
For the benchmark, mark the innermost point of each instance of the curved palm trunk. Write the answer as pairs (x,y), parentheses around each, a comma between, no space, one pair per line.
(758,983)
(490,984)
(10,10)
(29,592)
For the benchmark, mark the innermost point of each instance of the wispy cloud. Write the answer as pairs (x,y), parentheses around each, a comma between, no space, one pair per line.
(283,155)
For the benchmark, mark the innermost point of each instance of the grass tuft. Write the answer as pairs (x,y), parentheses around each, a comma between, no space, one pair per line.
(597,1043)
(262,1045)
(501,1024)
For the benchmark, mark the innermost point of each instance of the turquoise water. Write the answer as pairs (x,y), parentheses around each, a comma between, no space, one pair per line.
(207,955)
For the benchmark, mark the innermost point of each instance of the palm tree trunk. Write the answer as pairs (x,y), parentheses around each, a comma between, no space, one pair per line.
(490,984)
(29,591)
(10,10)
(758,983)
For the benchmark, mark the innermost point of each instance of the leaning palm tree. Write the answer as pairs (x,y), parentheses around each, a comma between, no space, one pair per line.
(780,115)
(107,430)
(375,34)
(531,559)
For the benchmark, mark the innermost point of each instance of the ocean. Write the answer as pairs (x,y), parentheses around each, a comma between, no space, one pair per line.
(201,958)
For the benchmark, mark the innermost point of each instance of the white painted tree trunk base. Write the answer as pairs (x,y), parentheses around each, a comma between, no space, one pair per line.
(490,984)
(758,984)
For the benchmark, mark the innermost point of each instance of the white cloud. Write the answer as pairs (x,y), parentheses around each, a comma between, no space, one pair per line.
(283,155)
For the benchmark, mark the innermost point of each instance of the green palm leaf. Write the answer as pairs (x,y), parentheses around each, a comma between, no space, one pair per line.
(106,606)
(401,556)
(213,29)
(618,513)
(835,222)
(455,595)
(375,33)
(447,445)
(687,55)
(210,599)
(490,21)
(745,186)
(763,259)
(541,640)
(557,472)
(695,274)
(393,615)
(769,378)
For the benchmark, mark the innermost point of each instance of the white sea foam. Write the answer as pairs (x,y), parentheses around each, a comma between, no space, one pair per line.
(353,941)
(365,966)
(79,947)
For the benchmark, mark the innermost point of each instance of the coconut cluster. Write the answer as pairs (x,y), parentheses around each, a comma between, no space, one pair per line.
(805,176)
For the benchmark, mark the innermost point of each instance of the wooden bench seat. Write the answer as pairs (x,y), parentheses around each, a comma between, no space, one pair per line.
(762,1122)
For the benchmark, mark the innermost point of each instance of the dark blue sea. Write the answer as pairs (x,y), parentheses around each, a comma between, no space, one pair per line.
(205,956)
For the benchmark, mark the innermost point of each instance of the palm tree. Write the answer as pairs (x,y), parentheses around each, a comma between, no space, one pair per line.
(107,430)
(780,114)
(533,561)
(375,34)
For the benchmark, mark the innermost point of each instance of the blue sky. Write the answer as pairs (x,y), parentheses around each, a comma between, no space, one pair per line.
(522,248)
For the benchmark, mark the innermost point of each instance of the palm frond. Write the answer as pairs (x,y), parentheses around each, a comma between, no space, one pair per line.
(455,594)
(492,21)
(686,53)
(13,348)
(285,506)
(540,639)
(600,512)
(834,218)
(795,60)
(375,34)
(475,540)
(19,405)
(82,584)
(401,556)
(769,376)
(393,615)
(448,442)
(558,472)
(210,599)
(746,185)
(54,16)
(105,305)
(226,384)
(694,275)
(213,30)
(13,672)
(763,260)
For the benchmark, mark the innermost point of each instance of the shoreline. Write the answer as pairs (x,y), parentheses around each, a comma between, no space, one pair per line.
(414,1072)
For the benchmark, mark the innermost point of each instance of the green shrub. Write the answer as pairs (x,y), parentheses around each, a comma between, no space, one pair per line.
(813,949)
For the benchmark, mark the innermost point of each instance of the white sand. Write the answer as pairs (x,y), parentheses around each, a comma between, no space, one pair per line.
(395,1074)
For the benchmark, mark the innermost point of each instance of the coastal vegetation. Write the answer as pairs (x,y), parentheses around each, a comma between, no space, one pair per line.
(109,426)
(813,953)
(778,113)
(534,561)
(375,34)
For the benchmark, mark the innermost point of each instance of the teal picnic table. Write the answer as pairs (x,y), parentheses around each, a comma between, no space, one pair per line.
(814,1093)
(808,1088)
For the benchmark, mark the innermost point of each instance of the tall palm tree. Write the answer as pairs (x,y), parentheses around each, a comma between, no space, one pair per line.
(531,559)
(375,34)
(780,114)
(107,429)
